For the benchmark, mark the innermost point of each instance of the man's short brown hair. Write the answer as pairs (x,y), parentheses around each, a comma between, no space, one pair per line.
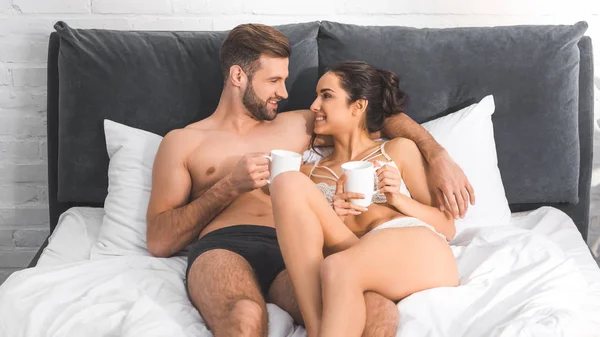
(245,43)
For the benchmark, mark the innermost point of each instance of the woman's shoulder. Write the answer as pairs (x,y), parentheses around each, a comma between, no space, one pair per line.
(401,147)
(403,151)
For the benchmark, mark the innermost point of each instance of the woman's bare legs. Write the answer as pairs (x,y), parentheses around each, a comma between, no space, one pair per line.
(394,262)
(305,225)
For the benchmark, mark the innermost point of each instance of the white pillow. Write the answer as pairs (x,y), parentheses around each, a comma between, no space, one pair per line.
(131,152)
(468,136)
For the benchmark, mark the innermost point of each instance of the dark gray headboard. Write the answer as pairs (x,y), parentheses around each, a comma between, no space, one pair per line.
(97,74)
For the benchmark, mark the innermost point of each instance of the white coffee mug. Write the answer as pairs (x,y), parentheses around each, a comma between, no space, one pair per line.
(361,179)
(282,161)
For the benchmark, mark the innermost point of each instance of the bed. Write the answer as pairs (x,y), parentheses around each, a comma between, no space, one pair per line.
(531,275)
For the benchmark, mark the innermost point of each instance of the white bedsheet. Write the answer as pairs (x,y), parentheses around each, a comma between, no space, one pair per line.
(72,239)
(534,278)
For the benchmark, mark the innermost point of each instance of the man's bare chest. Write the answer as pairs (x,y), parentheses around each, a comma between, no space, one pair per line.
(216,158)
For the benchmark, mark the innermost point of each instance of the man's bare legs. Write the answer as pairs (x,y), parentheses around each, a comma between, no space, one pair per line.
(223,288)
(281,294)
(382,316)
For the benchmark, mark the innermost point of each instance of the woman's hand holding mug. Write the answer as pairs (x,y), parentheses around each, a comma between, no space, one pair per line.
(388,182)
(341,200)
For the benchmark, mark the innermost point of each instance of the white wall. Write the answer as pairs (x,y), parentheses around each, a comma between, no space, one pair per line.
(26,24)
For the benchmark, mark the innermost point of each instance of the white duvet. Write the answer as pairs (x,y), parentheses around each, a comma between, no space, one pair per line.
(533,278)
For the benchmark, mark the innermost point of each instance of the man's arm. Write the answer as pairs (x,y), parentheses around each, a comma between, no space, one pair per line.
(453,190)
(401,125)
(172,223)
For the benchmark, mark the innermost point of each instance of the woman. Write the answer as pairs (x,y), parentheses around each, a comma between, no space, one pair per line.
(335,250)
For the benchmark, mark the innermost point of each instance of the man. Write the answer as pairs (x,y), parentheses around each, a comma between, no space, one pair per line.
(210,184)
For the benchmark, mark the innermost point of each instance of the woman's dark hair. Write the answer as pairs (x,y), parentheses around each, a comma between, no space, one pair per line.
(379,87)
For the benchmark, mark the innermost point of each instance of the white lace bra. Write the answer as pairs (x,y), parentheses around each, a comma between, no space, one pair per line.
(378,198)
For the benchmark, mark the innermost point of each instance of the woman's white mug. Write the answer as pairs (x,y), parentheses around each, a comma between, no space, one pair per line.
(361,179)
(282,161)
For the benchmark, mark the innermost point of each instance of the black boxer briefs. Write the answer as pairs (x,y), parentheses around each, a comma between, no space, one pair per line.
(256,244)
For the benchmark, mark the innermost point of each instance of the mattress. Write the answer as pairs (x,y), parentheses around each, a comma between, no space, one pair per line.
(535,277)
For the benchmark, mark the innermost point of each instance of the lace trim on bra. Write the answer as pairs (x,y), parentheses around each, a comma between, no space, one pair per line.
(378,198)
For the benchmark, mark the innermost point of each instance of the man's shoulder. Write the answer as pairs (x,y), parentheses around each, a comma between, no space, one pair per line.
(184,140)
(191,133)
(182,137)
(296,116)
(300,122)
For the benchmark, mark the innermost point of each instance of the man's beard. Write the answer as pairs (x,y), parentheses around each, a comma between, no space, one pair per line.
(257,108)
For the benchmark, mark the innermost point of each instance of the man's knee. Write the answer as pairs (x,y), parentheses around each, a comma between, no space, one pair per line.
(382,316)
(248,318)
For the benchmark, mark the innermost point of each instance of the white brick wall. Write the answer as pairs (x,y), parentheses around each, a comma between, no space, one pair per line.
(208,7)
(19,194)
(4,76)
(5,6)
(23,48)
(29,77)
(26,24)
(132,7)
(52,6)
